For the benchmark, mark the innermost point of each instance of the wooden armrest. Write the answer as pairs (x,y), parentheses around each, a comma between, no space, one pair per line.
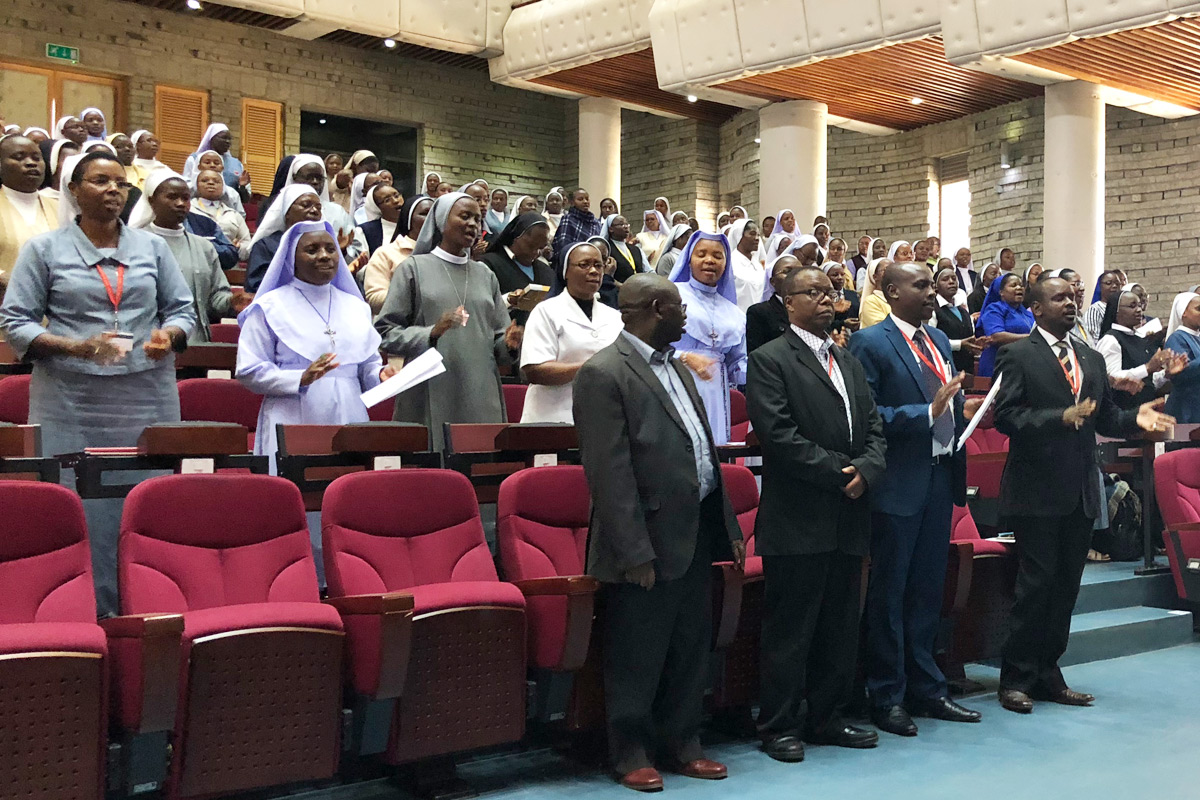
(387,619)
(146,651)
(143,625)
(1185,526)
(558,585)
(386,603)
(730,581)
(959,570)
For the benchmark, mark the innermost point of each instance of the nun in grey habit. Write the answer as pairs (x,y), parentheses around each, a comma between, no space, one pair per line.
(440,298)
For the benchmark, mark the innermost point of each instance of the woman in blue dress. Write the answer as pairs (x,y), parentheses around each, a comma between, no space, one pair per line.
(713,345)
(1004,319)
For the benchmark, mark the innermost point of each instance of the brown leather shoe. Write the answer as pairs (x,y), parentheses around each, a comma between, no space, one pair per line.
(1069,697)
(1015,701)
(645,779)
(702,768)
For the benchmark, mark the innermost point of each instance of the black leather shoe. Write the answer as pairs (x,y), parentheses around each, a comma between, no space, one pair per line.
(894,720)
(788,749)
(946,709)
(1016,701)
(845,736)
(1067,697)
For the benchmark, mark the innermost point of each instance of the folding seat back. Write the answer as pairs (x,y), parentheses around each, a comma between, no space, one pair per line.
(419,531)
(1177,488)
(260,691)
(14,399)
(739,417)
(225,333)
(738,601)
(52,652)
(542,519)
(219,400)
(514,401)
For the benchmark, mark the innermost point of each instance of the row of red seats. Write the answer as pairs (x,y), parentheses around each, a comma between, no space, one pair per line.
(226,654)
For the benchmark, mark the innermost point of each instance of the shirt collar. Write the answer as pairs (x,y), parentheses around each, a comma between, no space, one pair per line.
(815,343)
(1122,328)
(1186,329)
(645,350)
(1051,339)
(453,259)
(905,328)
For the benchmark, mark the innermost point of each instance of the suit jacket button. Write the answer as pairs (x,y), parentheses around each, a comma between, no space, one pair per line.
(689,447)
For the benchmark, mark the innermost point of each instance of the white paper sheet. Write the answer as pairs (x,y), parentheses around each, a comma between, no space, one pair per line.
(420,369)
(981,413)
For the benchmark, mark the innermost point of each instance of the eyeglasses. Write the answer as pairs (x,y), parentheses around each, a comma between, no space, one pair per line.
(103,183)
(816,295)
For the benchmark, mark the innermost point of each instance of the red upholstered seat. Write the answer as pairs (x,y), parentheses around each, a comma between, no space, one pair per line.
(1177,488)
(739,417)
(260,692)
(738,599)
(14,399)
(53,674)
(514,400)
(419,531)
(963,529)
(219,400)
(225,333)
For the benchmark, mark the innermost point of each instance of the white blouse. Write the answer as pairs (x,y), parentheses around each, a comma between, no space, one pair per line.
(558,330)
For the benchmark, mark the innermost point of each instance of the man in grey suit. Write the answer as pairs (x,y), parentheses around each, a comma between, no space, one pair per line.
(660,517)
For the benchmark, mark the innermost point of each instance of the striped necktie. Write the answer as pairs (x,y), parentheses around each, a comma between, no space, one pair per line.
(1064,358)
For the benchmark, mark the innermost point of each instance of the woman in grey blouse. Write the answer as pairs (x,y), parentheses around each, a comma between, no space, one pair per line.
(99,309)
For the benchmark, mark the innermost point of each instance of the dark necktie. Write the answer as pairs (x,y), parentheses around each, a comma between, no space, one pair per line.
(661,356)
(943,426)
(1064,358)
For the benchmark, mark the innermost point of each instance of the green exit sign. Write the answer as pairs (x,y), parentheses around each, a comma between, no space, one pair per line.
(60,52)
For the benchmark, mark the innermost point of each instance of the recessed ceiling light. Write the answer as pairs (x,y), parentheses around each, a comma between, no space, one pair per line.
(194,5)
(916,101)
(691,98)
(758,141)
(389,43)
(321,120)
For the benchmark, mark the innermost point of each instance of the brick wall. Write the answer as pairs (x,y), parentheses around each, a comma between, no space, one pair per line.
(471,127)
(738,179)
(678,159)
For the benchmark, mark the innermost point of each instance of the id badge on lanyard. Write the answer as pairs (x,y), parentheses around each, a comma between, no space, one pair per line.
(122,340)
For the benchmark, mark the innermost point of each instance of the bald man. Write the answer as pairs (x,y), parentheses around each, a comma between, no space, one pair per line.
(660,518)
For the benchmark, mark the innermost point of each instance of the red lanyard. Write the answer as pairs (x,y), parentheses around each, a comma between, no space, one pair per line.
(938,368)
(829,367)
(114,297)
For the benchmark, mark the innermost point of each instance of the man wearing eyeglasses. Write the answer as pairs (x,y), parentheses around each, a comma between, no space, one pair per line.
(823,452)
(919,399)
(660,518)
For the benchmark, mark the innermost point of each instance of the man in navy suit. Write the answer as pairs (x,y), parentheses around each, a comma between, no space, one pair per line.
(919,399)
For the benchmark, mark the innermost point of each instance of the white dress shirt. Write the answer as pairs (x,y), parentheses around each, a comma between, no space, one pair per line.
(1110,348)
(939,449)
(1053,341)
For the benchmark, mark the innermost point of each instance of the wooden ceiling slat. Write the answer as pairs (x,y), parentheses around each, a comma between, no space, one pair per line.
(1159,61)
(632,78)
(878,86)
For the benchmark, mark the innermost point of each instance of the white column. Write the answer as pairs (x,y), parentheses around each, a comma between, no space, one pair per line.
(791,159)
(1074,174)
(600,149)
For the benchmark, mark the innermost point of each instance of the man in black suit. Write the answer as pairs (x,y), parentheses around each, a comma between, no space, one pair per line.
(822,442)
(660,517)
(1054,397)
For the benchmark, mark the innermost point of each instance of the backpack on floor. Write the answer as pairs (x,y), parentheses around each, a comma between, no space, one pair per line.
(1125,523)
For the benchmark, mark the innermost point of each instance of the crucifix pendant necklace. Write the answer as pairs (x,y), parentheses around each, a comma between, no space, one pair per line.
(328,319)
(462,299)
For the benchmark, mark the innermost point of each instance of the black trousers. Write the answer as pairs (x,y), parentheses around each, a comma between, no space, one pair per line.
(809,642)
(656,663)
(1051,553)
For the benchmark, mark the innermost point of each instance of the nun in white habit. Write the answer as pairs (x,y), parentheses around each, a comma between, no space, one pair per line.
(440,298)
(307,344)
(309,170)
(748,277)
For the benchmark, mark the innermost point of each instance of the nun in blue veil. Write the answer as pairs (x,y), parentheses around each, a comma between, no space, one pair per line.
(713,344)
(308,344)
